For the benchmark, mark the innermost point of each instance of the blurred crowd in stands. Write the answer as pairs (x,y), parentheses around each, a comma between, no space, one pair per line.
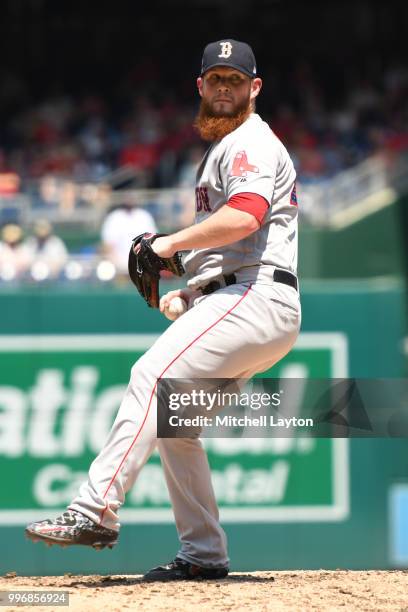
(40,255)
(88,137)
(68,149)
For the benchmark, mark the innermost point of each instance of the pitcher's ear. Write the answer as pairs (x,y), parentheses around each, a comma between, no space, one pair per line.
(256,86)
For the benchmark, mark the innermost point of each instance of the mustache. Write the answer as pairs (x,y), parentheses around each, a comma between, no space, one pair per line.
(212,126)
(222,98)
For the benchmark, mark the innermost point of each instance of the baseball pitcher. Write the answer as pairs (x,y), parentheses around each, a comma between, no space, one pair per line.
(242,315)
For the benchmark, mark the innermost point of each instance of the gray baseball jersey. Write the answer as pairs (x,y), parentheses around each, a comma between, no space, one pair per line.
(249,159)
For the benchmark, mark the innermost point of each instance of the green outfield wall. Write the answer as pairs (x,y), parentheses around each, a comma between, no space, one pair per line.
(375,245)
(65,355)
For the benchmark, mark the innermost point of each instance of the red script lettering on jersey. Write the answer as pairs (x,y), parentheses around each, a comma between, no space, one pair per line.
(202,199)
(241,166)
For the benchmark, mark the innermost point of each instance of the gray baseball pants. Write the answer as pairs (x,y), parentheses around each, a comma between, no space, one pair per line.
(234,332)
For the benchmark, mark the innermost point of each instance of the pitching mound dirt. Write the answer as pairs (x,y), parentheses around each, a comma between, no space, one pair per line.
(261,591)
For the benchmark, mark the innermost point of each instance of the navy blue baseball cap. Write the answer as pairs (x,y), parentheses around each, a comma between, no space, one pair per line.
(231,53)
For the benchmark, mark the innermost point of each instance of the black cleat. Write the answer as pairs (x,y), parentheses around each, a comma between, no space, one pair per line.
(71,528)
(182,570)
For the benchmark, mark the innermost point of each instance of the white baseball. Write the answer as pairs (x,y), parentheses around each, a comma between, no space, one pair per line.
(176,308)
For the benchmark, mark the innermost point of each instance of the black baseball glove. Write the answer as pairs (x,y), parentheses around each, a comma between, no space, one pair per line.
(145,267)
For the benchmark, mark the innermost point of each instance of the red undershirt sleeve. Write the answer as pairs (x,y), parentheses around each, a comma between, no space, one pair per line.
(252,203)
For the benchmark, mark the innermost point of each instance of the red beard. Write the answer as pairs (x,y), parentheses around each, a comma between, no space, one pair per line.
(212,127)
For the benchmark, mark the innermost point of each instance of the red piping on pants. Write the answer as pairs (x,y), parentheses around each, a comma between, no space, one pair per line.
(154,389)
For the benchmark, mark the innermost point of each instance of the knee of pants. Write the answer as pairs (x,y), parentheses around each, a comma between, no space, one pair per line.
(180,445)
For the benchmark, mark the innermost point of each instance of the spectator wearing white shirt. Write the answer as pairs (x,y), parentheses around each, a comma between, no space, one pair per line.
(120,226)
(46,250)
(14,255)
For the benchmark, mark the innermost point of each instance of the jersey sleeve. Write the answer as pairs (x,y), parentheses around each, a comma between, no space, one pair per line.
(250,166)
(251,203)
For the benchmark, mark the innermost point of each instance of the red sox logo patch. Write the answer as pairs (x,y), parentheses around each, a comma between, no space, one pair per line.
(241,166)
